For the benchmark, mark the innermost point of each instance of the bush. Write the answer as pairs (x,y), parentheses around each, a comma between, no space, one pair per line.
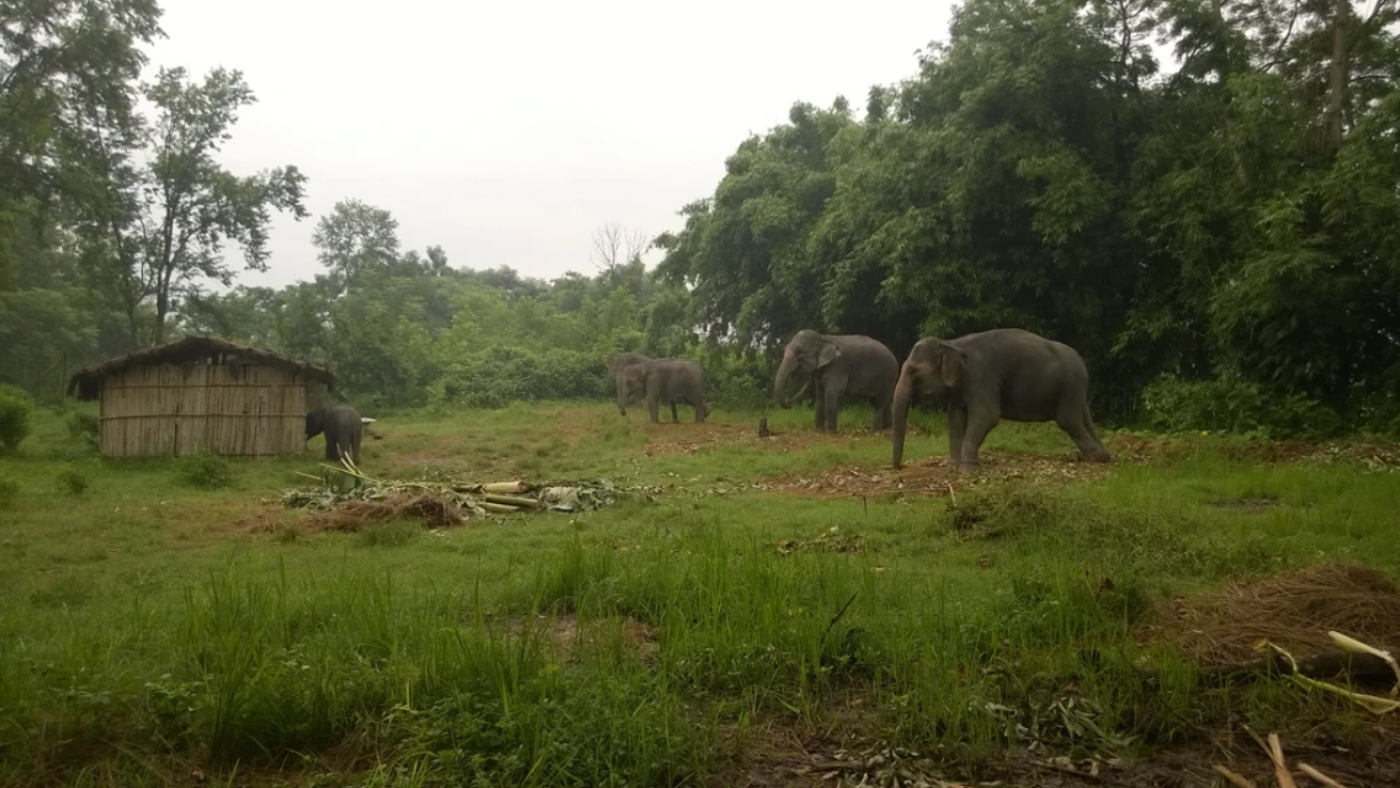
(499,376)
(16,407)
(207,472)
(1235,406)
(84,427)
(73,482)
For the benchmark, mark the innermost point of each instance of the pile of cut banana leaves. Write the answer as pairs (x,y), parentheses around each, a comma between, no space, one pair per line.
(346,484)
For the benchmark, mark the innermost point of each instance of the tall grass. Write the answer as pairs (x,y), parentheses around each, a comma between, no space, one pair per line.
(129,636)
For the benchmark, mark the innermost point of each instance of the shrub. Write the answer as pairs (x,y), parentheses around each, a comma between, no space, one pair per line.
(72,481)
(498,376)
(84,427)
(1235,406)
(207,472)
(16,407)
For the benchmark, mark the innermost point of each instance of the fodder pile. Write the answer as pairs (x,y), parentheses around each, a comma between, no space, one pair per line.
(434,512)
(349,500)
(1293,610)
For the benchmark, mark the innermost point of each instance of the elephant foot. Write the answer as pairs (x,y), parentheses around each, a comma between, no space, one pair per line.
(1101,455)
(968,467)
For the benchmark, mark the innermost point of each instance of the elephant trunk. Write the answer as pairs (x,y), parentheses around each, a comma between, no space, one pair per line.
(903,393)
(780,383)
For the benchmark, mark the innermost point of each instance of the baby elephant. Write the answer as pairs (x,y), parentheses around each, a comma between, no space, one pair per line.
(663,379)
(343,427)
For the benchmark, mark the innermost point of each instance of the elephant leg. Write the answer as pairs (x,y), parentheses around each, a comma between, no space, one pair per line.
(980,421)
(957,428)
(654,406)
(882,415)
(675,418)
(332,449)
(832,395)
(355,447)
(819,403)
(1077,424)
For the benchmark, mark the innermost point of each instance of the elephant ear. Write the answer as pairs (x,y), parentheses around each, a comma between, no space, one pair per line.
(953,363)
(827,354)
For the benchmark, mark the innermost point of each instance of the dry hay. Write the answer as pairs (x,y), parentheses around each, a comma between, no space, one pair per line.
(353,515)
(933,476)
(1293,610)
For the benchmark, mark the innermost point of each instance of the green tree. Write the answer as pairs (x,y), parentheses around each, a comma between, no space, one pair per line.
(356,237)
(161,235)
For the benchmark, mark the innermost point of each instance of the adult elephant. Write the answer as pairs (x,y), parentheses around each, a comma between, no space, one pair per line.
(619,361)
(664,380)
(1006,373)
(840,366)
(343,427)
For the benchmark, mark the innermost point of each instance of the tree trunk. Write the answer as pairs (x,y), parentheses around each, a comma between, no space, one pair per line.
(1339,72)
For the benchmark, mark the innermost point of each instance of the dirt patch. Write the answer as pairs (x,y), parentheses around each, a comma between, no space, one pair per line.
(688,438)
(561,634)
(1293,610)
(935,476)
(1368,456)
(843,756)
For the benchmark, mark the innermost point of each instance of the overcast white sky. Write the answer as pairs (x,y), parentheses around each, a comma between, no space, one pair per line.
(508,131)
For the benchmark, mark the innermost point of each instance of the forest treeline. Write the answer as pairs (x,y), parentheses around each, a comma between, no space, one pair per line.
(1201,196)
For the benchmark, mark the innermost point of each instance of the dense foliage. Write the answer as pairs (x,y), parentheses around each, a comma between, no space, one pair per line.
(1226,216)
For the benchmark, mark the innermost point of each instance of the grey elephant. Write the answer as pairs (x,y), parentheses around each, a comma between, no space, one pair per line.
(343,427)
(663,380)
(1005,373)
(840,367)
(619,361)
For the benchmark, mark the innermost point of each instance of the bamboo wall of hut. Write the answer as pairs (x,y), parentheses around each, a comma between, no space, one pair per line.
(209,398)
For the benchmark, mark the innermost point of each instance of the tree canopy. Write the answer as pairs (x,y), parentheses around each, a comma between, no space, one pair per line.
(1221,208)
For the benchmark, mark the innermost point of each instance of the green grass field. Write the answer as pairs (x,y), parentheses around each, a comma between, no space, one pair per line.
(164,624)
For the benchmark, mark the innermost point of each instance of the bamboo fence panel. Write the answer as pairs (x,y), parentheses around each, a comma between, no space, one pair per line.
(164,409)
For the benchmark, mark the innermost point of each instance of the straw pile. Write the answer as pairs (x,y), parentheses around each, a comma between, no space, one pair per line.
(1294,610)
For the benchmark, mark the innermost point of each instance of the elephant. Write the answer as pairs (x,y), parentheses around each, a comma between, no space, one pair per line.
(664,379)
(343,427)
(619,361)
(840,366)
(1005,373)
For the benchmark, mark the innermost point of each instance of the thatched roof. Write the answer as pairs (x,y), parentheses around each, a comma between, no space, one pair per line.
(190,350)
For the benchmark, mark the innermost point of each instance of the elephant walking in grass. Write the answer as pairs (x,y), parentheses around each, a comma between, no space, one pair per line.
(840,366)
(619,361)
(1006,373)
(669,380)
(343,428)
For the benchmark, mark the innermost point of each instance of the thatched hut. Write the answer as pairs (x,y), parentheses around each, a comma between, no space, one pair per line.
(201,394)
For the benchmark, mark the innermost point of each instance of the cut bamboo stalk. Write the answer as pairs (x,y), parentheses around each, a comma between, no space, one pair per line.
(1285,780)
(508,488)
(499,508)
(1235,779)
(1319,776)
(512,500)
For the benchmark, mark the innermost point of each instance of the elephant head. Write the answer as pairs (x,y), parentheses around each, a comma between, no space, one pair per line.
(315,423)
(630,381)
(807,353)
(934,369)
